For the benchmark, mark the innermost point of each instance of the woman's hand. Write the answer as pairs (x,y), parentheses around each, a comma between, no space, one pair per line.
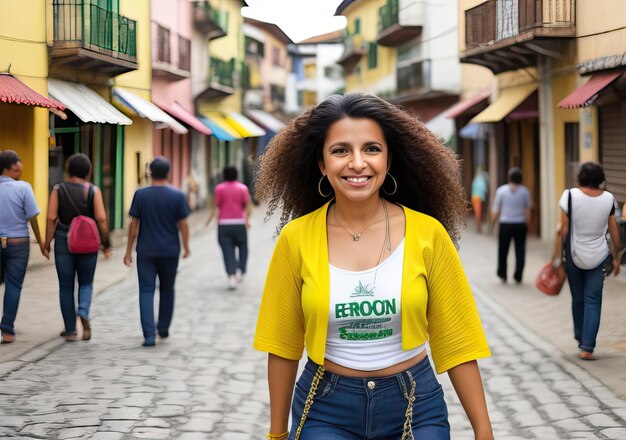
(615,266)
(45,251)
(128,259)
(107,253)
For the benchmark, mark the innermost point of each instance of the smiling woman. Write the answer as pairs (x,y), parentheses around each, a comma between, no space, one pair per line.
(363,275)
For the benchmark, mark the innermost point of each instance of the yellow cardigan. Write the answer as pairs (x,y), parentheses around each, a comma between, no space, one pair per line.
(436,301)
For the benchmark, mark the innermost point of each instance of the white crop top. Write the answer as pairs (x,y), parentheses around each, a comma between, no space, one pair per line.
(364,325)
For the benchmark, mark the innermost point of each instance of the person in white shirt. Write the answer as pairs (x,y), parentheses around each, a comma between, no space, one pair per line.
(587,213)
(512,208)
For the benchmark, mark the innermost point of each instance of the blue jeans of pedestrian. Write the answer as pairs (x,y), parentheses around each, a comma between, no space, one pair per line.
(15,271)
(586,288)
(351,408)
(71,267)
(148,269)
(231,238)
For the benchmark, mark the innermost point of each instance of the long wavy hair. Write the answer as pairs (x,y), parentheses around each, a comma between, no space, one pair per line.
(427,172)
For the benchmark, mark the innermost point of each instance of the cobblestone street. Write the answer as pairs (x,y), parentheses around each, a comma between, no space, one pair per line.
(206,381)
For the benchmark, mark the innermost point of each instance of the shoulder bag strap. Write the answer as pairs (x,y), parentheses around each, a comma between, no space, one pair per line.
(569,210)
(69,197)
(90,201)
(569,238)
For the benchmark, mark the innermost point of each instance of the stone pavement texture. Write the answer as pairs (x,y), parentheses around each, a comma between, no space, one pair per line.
(206,382)
(549,317)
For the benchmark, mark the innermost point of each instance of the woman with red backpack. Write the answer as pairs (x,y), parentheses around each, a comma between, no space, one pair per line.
(77,222)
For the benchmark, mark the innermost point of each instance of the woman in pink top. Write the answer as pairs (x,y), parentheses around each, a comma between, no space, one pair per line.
(232,199)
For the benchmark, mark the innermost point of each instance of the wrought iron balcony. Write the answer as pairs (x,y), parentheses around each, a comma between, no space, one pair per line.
(222,80)
(506,35)
(413,78)
(164,64)
(395,27)
(354,49)
(88,37)
(211,22)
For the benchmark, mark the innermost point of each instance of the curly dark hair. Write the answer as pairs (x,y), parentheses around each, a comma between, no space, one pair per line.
(427,172)
(591,175)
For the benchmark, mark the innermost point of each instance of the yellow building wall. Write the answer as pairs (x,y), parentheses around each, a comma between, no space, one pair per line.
(362,77)
(225,48)
(593,20)
(601,33)
(475,79)
(138,136)
(562,85)
(24,128)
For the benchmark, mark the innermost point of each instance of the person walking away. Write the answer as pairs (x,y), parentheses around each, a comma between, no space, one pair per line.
(158,214)
(512,208)
(72,198)
(365,272)
(18,208)
(480,185)
(232,200)
(587,253)
(193,189)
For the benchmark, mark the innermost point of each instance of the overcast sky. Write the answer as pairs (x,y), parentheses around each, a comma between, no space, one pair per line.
(299,19)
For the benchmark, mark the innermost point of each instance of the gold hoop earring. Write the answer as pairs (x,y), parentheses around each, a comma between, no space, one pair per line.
(319,188)
(395,186)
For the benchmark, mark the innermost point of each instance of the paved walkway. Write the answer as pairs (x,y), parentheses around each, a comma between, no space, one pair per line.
(206,382)
(550,317)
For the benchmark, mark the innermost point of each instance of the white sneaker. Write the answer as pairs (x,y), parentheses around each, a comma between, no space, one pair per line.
(232,282)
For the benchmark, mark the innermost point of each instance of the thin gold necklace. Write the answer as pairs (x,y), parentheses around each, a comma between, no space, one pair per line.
(357,236)
(386,242)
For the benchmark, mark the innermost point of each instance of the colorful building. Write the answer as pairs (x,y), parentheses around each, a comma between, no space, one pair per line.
(172,30)
(24,103)
(596,106)
(315,74)
(220,101)
(406,52)
(89,43)
(530,47)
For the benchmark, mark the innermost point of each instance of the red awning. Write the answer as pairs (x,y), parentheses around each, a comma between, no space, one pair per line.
(586,94)
(177,111)
(462,106)
(14,91)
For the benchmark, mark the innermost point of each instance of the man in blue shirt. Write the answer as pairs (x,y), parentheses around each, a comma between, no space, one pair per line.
(18,209)
(158,212)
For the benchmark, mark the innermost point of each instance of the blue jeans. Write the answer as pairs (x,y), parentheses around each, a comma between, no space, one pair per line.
(586,288)
(15,271)
(148,268)
(231,237)
(69,268)
(347,408)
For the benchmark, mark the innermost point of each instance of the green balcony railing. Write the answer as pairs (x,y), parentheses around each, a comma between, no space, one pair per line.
(204,13)
(128,36)
(388,15)
(222,71)
(94,27)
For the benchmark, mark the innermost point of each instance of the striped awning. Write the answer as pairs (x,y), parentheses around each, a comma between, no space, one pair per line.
(244,126)
(220,127)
